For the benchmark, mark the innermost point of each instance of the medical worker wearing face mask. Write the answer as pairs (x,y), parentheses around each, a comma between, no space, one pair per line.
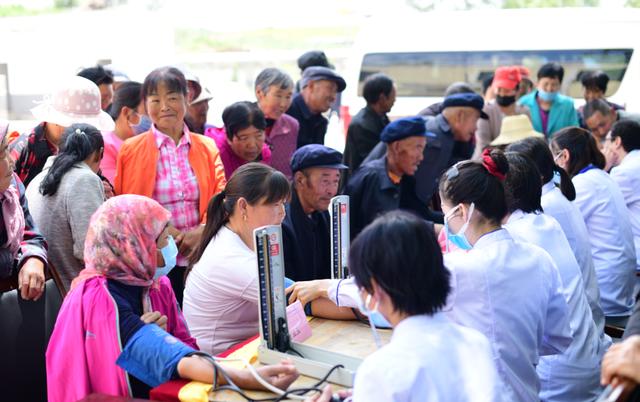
(557,193)
(508,290)
(575,374)
(605,213)
(429,358)
(550,111)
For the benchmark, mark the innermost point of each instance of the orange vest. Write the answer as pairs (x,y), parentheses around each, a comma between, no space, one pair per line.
(137,166)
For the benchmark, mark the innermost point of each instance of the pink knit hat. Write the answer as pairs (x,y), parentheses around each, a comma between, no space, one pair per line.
(77,100)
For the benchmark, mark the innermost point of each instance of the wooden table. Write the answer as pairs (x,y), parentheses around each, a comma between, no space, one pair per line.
(347,337)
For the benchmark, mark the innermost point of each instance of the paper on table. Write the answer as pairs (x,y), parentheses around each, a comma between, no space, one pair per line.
(299,328)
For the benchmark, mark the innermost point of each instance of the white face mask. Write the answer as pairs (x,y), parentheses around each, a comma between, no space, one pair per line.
(363,307)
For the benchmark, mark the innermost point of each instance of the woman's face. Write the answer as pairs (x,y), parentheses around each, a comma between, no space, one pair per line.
(560,156)
(247,143)
(455,215)
(275,102)
(6,167)
(162,242)
(263,214)
(166,109)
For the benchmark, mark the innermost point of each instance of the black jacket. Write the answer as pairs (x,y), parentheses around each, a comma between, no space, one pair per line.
(306,243)
(372,193)
(362,136)
(313,127)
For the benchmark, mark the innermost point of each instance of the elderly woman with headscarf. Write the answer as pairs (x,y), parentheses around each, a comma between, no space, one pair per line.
(120,331)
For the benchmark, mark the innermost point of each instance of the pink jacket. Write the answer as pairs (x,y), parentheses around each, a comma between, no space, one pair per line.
(283,139)
(86,341)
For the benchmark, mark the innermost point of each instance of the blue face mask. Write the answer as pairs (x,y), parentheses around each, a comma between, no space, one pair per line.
(374,315)
(144,125)
(458,239)
(170,255)
(547,96)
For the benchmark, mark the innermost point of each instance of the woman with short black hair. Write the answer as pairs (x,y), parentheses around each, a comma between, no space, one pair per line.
(605,213)
(508,290)
(65,194)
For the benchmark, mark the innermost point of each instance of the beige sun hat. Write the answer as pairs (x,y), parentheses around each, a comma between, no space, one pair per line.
(515,128)
(76,100)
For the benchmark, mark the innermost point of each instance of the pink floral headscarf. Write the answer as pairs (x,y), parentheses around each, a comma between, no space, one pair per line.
(121,240)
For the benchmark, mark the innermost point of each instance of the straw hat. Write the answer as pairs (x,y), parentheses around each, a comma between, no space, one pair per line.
(515,128)
(77,100)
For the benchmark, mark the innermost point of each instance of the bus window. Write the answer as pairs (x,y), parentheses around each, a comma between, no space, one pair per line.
(427,74)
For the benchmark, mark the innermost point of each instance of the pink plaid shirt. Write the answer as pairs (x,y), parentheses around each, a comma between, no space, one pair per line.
(176,184)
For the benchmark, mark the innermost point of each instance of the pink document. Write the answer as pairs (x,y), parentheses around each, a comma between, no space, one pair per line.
(299,328)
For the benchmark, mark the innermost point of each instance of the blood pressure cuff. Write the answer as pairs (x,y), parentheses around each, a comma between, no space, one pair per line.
(152,355)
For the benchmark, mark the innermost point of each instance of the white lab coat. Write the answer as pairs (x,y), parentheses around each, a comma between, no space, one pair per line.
(512,293)
(555,204)
(575,374)
(430,359)
(605,214)
(627,176)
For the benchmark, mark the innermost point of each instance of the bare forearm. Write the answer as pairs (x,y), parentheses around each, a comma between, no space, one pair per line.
(325,308)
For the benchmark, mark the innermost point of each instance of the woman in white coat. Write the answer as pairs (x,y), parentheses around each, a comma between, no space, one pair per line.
(575,374)
(429,358)
(508,290)
(605,214)
(556,202)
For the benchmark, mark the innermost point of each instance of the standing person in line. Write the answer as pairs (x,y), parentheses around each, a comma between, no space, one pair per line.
(601,203)
(500,281)
(65,194)
(274,89)
(505,87)
(556,202)
(363,134)
(573,375)
(167,163)
(550,111)
(320,87)
(126,110)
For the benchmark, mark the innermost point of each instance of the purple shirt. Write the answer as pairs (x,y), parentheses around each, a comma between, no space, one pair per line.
(230,160)
(544,116)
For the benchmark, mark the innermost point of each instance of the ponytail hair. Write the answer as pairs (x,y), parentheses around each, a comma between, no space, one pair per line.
(582,147)
(539,152)
(79,141)
(480,183)
(256,183)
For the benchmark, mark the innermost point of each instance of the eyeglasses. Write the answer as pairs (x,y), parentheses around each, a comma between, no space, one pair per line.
(555,158)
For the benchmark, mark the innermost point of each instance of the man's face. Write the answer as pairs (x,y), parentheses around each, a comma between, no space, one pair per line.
(592,94)
(409,152)
(464,124)
(600,124)
(388,101)
(317,186)
(322,94)
(198,113)
(549,84)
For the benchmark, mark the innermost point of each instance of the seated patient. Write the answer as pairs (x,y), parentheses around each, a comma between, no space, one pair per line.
(221,295)
(429,357)
(120,331)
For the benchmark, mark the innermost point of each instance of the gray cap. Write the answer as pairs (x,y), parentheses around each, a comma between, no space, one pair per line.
(322,73)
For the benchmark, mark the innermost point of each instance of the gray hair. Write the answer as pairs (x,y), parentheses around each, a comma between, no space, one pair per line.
(273,76)
(595,105)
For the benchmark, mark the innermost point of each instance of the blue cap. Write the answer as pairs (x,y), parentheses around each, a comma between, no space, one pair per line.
(317,73)
(402,128)
(466,100)
(316,155)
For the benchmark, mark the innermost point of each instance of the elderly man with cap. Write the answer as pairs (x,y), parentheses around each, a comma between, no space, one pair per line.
(455,124)
(387,183)
(196,117)
(320,86)
(505,88)
(305,229)
(77,100)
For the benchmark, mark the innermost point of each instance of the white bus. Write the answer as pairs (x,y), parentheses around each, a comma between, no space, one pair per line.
(425,53)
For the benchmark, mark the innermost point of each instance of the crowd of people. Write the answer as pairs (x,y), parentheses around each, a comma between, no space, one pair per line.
(497,234)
